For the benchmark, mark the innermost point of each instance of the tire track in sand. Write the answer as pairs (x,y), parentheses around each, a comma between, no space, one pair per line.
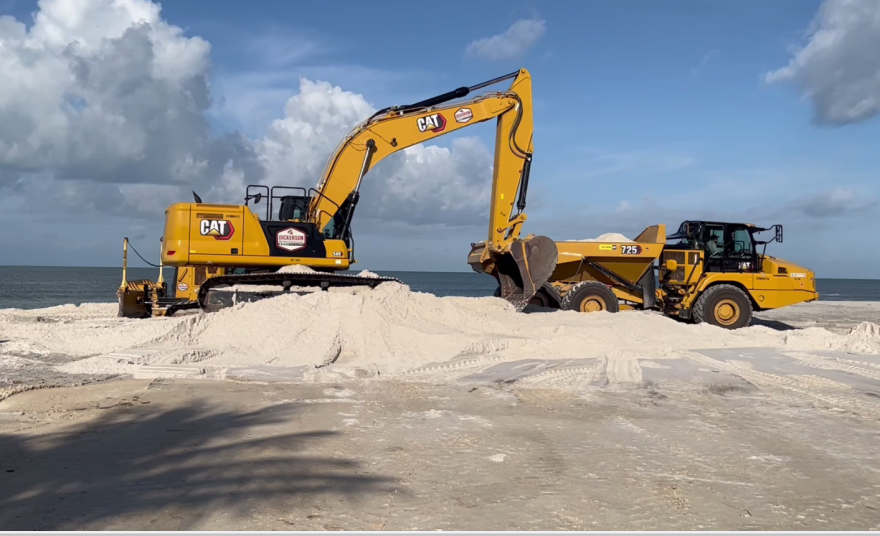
(807,386)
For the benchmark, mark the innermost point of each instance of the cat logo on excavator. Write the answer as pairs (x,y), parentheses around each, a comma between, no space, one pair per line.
(219,229)
(434,122)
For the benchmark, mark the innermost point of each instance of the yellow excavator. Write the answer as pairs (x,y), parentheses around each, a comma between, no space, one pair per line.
(218,247)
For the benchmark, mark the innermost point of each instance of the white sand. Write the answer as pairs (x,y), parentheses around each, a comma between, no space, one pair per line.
(389,330)
(295,269)
(72,330)
(607,237)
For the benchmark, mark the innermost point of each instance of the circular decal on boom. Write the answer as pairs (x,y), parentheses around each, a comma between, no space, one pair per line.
(463,115)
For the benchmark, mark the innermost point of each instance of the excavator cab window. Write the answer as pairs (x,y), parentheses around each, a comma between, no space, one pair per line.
(330,229)
(293,207)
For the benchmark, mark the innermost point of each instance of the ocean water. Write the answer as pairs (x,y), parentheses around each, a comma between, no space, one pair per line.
(32,287)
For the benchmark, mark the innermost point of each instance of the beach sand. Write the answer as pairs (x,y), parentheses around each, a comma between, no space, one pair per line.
(398,410)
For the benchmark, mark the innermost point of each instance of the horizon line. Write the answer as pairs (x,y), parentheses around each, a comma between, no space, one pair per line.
(371,269)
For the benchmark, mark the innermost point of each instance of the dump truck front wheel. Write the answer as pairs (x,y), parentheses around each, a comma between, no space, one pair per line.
(590,297)
(726,306)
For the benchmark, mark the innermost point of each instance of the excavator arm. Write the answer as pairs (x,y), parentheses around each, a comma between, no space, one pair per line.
(394,129)
(520,266)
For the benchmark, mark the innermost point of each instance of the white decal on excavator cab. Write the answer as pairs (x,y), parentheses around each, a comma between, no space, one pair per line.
(290,239)
(433,122)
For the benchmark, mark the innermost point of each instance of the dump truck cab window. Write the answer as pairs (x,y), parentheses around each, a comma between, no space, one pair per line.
(729,248)
(742,243)
(713,240)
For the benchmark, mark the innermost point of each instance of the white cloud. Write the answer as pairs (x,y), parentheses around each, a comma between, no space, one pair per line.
(513,43)
(103,90)
(839,67)
(424,184)
(102,113)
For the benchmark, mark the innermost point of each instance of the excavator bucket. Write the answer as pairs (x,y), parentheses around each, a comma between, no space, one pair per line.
(520,271)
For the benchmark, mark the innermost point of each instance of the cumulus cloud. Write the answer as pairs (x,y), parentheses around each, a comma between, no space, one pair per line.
(102,112)
(838,69)
(424,184)
(512,43)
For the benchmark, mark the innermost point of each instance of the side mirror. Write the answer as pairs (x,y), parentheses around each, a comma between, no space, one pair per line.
(197,198)
(778,233)
(671,265)
(257,198)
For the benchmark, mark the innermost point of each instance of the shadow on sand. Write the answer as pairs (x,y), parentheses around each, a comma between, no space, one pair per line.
(138,468)
(772,324)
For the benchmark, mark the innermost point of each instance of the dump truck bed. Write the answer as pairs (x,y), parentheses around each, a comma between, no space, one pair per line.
(626,266)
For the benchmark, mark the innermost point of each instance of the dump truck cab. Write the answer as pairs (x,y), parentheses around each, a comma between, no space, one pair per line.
(719,273)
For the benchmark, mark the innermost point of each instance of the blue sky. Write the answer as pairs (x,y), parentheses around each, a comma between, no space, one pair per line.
(646,112)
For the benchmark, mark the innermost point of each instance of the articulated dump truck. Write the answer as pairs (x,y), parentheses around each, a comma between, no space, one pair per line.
(705,272)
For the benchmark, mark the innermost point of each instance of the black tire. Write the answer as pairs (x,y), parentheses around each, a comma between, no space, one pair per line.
(546,297)
(724,306)
(586,296)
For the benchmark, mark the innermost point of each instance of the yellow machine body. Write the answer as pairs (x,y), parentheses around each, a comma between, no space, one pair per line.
(692,282)
(779,284)
(231,236)
(248,243)
(622,266)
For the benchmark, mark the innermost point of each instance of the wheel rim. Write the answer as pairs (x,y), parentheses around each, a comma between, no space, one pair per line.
(727,312)
(592,304)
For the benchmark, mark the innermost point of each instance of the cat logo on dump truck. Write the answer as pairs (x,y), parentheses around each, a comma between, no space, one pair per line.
(219,229)
(433,122)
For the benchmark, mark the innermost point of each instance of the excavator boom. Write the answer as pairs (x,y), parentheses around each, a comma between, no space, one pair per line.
(521,266)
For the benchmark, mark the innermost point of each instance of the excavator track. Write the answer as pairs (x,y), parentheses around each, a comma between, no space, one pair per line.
(212,298)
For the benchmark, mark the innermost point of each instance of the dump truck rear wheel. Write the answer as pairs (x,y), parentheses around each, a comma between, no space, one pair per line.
(590,297)
(725,306)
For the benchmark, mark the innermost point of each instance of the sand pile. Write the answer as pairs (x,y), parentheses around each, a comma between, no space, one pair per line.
(387,330)
(300,269)
(607,237)
(295,269)
(83,330)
